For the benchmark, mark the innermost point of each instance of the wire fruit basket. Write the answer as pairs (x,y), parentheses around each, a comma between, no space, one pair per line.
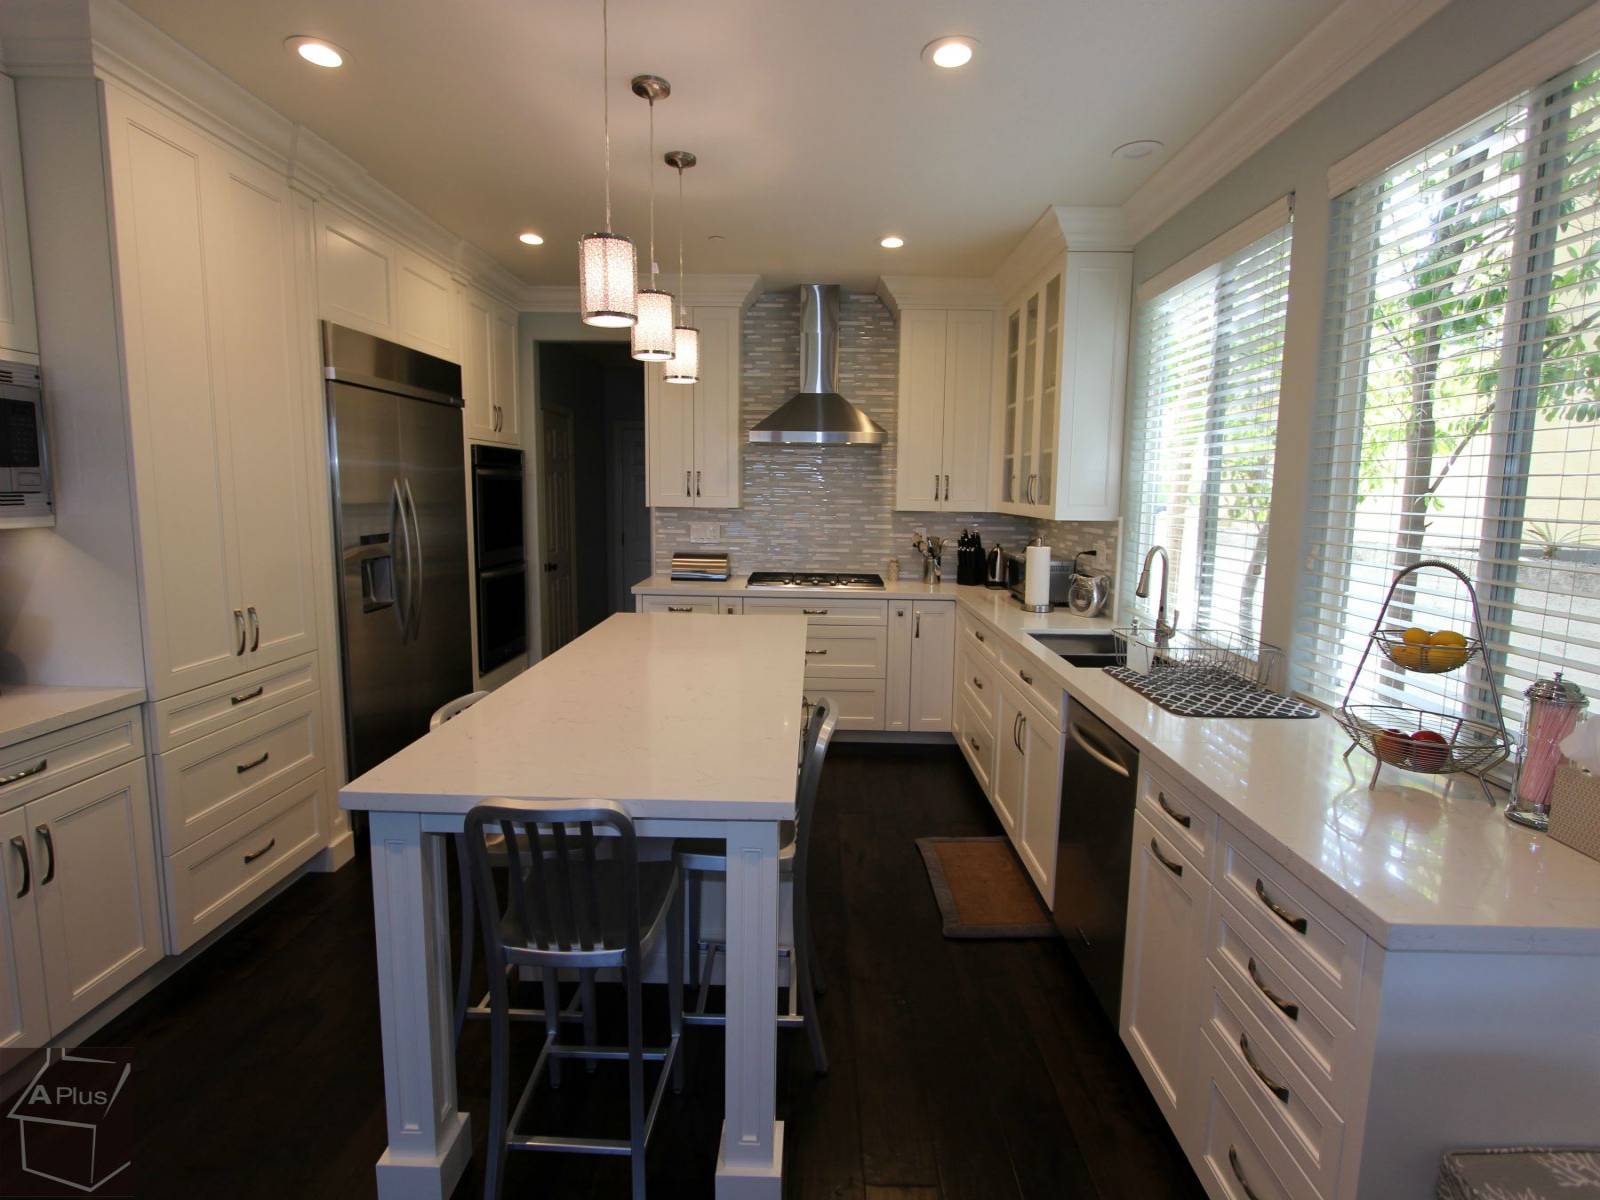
(1199,653)
(1417,739)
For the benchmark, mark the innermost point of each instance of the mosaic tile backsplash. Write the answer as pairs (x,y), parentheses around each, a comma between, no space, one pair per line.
(832,508)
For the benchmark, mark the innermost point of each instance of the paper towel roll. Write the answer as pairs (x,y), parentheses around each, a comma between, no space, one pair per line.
(1036,579)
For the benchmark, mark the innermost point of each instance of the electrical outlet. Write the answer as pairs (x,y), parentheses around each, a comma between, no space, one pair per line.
(703,533)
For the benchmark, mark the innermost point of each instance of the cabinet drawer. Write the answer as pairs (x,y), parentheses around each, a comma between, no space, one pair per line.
(970,634)
(974,732)
(206,783)
(860,701)
(217,876)
(1191,825)
(677,604)
(56,760)
(1297,1113)
(1236,1153)
(1034,681)
(1308,1027)
(1318,942)
(978,681)
(823,611)
(184,717)
(845,652)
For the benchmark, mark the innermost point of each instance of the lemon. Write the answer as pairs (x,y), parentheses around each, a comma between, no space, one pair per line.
(1446,637)
(1415,636)
(1407,656)
(1445,658)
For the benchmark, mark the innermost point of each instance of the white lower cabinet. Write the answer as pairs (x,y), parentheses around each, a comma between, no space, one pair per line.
(24,1011)
(933,653)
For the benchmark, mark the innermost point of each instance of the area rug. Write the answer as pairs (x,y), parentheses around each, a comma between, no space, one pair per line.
(982,889)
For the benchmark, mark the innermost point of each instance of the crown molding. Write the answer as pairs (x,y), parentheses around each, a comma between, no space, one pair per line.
(1060,228)
(722,291)
(548,298)
(1339,47)
(933,291)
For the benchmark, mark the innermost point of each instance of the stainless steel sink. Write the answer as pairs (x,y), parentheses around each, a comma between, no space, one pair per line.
(1093,650)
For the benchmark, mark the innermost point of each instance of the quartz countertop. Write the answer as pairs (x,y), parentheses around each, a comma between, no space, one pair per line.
(30,710)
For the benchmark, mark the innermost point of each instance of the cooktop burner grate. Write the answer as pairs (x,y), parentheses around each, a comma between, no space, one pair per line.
(858,581)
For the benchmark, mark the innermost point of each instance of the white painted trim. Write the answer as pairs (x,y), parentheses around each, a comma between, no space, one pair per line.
(931,291)
(1060,228)
(1563,47)
(1251,229)
(1343,44)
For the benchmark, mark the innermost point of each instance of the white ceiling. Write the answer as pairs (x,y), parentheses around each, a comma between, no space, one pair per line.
(818,126)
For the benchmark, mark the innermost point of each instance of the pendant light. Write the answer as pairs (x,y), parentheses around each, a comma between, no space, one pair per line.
(684,365)
(605,260)
(652,333)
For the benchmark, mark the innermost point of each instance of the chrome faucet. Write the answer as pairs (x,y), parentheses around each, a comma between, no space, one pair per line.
(1164,630)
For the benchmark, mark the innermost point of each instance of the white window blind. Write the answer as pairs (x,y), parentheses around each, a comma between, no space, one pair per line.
(1458,409)
(1202,431)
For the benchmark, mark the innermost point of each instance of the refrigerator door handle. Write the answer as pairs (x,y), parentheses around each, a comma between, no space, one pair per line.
(416,541)
(400,535)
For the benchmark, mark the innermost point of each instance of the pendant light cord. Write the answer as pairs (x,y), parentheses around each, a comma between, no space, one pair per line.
(605,97)
(652,167)
(683,304)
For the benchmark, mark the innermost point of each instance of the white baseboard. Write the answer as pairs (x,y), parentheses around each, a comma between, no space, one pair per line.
(335,855)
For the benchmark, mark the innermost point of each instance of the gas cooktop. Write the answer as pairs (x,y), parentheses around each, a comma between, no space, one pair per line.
(816,579)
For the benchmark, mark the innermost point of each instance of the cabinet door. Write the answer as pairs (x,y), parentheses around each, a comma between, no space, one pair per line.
(1050,343)
(969,380)
(933,656)
(718,432)
(1094,358)
(250,265)
(24,1017)
(425,306)
(1160,1018)
(173,349)
(477,332)
(99,918)
(1011,409)
(669,432)
(1041,804)
(919,429)
(503,373)
(1011,762)
(18,331)
(355,273)
(1028,403)
(897,676)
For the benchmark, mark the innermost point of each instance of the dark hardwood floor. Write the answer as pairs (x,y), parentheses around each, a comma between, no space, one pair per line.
(959,1068)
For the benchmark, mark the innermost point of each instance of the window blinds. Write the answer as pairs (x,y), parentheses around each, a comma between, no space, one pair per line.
(1458,410)
(1203,428)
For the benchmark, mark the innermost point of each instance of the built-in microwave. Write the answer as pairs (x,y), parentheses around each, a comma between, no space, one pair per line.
(25,495)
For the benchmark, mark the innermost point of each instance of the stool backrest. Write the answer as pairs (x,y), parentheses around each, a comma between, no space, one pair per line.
(819,733)
(557,871)
(454,708)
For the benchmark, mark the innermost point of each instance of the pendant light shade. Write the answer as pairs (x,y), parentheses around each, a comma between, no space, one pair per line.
(684,365)
(606,280)
(652,334)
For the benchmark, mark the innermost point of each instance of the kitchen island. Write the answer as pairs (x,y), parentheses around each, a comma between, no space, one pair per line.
(692,725)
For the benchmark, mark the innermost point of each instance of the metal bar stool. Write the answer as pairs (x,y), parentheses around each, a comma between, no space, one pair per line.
(701,857)
(574,903)
(581,1008)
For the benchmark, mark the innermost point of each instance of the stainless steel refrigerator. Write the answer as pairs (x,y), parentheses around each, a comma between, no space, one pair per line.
(400,525)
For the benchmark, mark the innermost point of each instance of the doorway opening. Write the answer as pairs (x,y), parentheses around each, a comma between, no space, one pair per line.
(596,525)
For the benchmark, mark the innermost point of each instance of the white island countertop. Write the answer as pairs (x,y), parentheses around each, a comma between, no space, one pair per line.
(667,715)
(30,710)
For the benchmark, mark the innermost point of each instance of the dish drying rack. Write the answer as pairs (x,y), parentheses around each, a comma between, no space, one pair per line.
(1469,747)
(1199,655)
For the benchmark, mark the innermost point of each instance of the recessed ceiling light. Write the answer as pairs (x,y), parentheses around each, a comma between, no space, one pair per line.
(892,242)
(950,52)
(316,51)
(530,239)
(1143,148)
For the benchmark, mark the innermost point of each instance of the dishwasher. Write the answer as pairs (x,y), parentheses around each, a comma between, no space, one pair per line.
(1099,777)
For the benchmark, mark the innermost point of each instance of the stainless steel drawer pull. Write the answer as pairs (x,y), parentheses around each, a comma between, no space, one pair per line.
(50,850)
(1180,818)
(238,622)
(680,608)
(1267,1081)
(1026,678)
(255,629)
(1292,1011)
(688,483)
(815,612)
(1175,868)
(244,697)
(1298,924)
(25,773)
(1238,1173)
(977,635)
(973,742)
(253,763)
(21,847)
(250,858)
(809,651)
(977,683)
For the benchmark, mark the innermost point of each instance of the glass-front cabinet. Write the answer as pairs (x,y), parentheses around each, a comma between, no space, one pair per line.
(1060,438)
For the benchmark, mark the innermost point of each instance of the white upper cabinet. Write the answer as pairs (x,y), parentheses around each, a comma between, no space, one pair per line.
(489,368)
(18,333)
(695,434)
(1064,347)
(368,282)
(919,425)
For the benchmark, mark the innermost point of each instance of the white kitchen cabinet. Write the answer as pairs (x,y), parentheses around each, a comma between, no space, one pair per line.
(677,604)
(489,369)
(1011,762)
(694,431)
(19,334)
(1167,898)
(933,654)
(942,428)
(24,1011)
(1064,346)
(897,699)
(1041,802)
(211,338)
(98,913)
(368,282)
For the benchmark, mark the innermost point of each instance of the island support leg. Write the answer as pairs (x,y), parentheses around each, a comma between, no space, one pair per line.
(750,1162)
(430,1141)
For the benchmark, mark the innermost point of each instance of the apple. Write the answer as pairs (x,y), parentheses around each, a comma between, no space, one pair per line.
(1391,746)
(1429,750)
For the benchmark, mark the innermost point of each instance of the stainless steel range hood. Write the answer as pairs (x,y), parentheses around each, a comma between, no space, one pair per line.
(817,414)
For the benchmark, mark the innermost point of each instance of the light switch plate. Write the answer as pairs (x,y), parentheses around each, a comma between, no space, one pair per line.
(703,533)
